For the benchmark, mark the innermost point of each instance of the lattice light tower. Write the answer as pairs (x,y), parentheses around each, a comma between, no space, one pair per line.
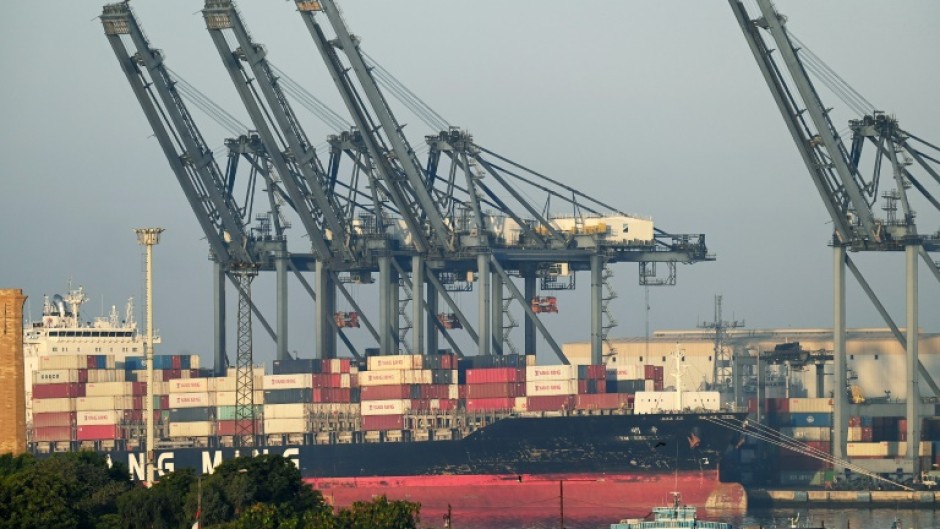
(149,237)
(722,369)
(244,383)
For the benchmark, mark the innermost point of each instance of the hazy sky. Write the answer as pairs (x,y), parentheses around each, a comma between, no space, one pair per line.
(658,107)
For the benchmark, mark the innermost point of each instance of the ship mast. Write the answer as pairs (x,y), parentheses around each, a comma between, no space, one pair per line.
(678,375)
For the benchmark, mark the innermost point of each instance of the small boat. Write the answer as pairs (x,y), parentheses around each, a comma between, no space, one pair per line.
(675,516)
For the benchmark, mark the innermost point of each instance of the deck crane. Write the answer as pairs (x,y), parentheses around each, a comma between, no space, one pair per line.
(234,251)
(848,197)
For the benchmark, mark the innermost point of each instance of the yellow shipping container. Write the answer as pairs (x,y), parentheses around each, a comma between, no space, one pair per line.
(53,405)
(290,381)
(381,378)
(63,362)
(282,426)
(192,429)
(394,362)
(188,385)
(105,389)
(810,405)
(98,403)
(286,411)
(191,400)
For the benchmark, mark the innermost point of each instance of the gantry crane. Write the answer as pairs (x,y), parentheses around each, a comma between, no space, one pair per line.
(235,252)
(849,196)
(425,229)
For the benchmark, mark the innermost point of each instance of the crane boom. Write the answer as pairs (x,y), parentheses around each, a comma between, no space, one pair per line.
(400,166)
(821,148)
(289,151)
(182,143)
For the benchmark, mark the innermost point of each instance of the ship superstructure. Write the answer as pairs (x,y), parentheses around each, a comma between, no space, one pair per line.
(60,332)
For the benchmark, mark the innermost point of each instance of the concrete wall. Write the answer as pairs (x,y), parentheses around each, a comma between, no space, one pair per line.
(12,396)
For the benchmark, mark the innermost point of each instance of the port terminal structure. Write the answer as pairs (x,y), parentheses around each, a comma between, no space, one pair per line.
(457,221)
(849,189)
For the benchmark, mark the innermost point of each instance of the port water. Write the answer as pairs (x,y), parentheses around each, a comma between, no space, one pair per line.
(834,518)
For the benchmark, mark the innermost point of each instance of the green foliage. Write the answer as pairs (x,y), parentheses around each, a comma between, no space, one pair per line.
(380,514)
(75,490)
(80,491)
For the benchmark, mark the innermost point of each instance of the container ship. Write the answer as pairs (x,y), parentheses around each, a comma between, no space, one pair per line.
(485,434)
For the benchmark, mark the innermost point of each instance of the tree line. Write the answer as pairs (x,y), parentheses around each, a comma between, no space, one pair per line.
(82,490)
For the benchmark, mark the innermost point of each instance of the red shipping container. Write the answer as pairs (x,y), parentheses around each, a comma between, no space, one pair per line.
(434,391)
(139,403)
(495,375)
(139,388)
(136,415)
(462,391)
(402,391)
(383,422)
(657,385)
(855,421)
(91,362)
(600,401)
(52,433)
(172,374)
(495,390)
(65,390)
(326,380)
(780,405)
(420,405)
(83,376)
(447,404)
(550,403)
(228,427)
(54,419)
(177,362)
(867,434)
(98,433)
(491,404)
(335,395)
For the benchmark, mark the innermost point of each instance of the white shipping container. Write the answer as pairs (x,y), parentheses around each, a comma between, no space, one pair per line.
(191,400)
(104,389)
(97,418)
(230,398)
(381,378)
(810,405)
(188,385)
(63,362)
(53,405)
(286,411)
(55,376)
(541,388)
(394,362)
(884,449)
(855,434)
(649,385)
(103,403)
(418,376)
(625,372)
(555,372)
(385,407)
(807,433)
(291,381)
(282,426)
(106,375)
(192,429)
(664,401)
(522,404)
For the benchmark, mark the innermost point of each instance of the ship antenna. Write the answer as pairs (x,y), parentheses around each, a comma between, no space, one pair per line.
(678,375)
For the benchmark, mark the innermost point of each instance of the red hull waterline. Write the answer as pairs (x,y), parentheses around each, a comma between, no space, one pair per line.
(586,496)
